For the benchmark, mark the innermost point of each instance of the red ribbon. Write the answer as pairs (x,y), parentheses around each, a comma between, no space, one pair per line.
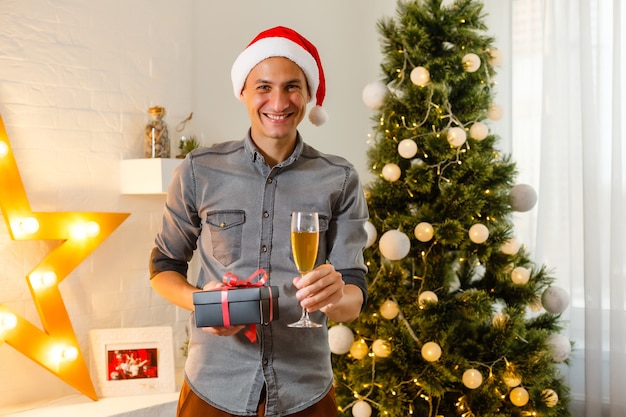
(231,281)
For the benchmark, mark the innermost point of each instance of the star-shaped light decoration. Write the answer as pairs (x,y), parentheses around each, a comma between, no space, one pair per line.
(55,347)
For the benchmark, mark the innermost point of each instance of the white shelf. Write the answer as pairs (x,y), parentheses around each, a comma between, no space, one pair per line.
(147,175)
(159,405)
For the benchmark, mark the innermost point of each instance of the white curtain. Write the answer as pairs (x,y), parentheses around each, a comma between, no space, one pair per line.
(569,86)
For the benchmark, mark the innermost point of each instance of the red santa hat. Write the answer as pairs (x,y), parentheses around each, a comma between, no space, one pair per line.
(284,42)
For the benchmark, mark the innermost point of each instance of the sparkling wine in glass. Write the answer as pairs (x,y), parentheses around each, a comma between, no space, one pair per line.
(305,232)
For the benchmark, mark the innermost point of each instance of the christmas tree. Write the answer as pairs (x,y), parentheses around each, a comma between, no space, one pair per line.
(460,321)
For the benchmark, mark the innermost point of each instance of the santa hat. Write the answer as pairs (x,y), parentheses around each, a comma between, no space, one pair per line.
(284,42)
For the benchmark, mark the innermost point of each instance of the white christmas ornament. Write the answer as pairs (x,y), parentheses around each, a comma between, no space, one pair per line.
(424,232)
(549,397)
(372,234)
(389,309)
(522,197)
(381,348)
(495,112)
(394,245)
(471,62)
(519,396)
(420,76)
(361,409)
(340,339)
(520,275)
(472,378)
(391,172)
(431,351)
(407,148)
(559,346)
(427,296)
(359,349)
(456,136)
(478,131)
(374,94)
(510,247)
(478,233)
(495,57)
(555,299)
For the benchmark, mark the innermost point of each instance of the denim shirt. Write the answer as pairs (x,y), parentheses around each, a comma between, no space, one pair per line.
(227,203)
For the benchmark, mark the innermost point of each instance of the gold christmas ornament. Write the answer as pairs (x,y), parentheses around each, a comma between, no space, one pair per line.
(359,349)
(472,378)
(519,396)
(431,351)
(389,309)
(420,76)
(381,348)
(478,233)
(424,232)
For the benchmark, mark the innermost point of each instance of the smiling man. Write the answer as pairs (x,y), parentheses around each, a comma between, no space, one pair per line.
(231,205)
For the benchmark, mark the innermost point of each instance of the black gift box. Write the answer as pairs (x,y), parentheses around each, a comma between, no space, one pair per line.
(255,305)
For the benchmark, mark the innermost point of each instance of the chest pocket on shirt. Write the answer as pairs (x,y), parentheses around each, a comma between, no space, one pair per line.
(226,230)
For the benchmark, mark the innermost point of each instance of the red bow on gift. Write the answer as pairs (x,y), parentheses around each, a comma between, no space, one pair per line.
(231,281)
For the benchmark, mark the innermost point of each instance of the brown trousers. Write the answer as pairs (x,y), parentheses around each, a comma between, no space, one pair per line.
(190,405)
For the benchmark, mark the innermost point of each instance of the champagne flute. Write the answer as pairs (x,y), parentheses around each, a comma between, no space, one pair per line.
(305,231)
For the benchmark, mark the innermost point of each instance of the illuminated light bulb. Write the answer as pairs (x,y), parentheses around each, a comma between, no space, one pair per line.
(4,149)
(92,229)
(478,233)
(69,353)
(389,309)
(520,275)
(381,348)
(456,136)
(472,378)
(29,225)
(8,321)
(431,351)
(427,297)
(424,231)
(79,231)
(519,396)
(43,280)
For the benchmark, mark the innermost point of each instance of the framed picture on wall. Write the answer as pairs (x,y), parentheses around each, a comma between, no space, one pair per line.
(132,361)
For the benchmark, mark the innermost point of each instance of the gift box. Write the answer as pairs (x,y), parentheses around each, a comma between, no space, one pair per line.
(229,306)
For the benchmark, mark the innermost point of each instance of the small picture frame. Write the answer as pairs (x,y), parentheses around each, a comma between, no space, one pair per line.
(132,361)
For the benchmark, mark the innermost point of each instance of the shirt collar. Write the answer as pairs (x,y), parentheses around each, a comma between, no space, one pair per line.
(256,157)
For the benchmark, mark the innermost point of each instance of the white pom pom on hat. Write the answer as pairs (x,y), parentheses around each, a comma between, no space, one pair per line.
(284,42)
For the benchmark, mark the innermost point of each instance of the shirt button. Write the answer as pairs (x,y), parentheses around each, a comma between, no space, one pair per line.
(269,180)
(266,214)
(263,248)
(264,362)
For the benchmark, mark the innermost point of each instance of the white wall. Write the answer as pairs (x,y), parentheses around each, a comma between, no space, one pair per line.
(76,80)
